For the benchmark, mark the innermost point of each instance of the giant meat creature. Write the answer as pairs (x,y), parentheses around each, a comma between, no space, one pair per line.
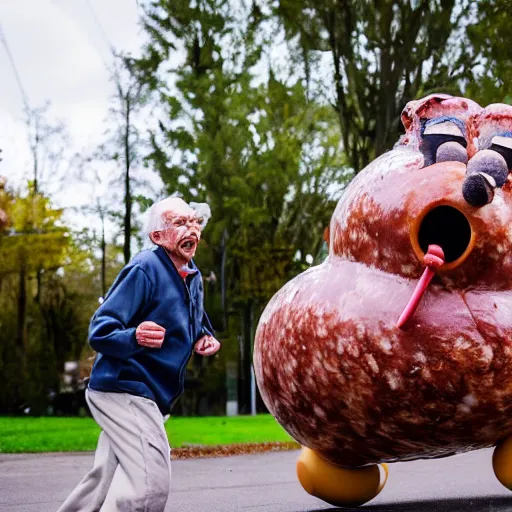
(399,346)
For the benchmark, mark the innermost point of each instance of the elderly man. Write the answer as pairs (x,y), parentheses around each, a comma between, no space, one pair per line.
(144,332)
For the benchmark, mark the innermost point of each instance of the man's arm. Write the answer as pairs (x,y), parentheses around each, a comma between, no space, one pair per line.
(207,329)
(111,331)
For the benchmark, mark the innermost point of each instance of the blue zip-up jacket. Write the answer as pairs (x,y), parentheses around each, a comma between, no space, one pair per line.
(149,288)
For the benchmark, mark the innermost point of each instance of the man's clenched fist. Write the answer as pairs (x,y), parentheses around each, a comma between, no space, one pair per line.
(150,335)
(207,346)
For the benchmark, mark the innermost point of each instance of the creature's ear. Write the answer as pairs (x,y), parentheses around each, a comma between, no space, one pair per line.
(418,113)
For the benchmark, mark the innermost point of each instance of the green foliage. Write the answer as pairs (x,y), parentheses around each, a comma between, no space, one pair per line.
(37,240)
(383,54)
(263,155)
(49,286)
(488,54)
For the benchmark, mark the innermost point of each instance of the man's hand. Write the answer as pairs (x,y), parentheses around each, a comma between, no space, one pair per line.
(150,335)
(207,346)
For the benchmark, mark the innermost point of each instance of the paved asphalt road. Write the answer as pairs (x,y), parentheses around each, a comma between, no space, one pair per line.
(265,483)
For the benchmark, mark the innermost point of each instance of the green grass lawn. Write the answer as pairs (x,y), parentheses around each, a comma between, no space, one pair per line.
(30,435)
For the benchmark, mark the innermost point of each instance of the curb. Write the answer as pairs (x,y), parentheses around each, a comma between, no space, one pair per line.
(182,453)
(229,450)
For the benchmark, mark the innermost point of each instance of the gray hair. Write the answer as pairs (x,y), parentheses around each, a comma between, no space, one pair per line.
(155,216)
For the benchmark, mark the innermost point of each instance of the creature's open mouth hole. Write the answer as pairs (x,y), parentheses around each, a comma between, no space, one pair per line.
(448,227)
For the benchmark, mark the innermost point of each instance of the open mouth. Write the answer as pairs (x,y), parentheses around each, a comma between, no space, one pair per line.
(450,229)
(188,244)
(442,239)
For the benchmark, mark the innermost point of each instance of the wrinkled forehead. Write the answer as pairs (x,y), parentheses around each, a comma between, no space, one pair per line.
(435,110)
(437,114)
(174,209)
(167,212)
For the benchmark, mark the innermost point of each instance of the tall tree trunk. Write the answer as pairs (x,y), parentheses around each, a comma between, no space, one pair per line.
(22,306)
(103,259)
(246,358)
(39,283)
(21,335)
(224,249)
(36,191)
(127,188)
(35,157)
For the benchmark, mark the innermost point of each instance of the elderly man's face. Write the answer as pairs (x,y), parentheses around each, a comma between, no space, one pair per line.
(181,233)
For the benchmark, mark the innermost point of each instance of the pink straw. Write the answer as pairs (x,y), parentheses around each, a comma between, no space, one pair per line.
(433,260)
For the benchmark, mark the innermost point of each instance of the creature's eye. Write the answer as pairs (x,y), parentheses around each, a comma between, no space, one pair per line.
(503,146)
(443,142)
(178,222)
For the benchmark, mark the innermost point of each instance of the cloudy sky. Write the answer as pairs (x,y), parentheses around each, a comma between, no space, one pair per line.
(61,51)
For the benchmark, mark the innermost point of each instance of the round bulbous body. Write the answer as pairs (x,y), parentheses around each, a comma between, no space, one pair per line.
(332,365)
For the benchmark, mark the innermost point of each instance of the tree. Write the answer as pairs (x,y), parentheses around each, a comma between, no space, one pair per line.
(34,249)
(50,283)
(47,140)
(488,53)
(262,155)
(125,141)
(383,53)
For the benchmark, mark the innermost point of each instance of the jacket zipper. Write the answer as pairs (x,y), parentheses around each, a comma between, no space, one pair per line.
(185,363)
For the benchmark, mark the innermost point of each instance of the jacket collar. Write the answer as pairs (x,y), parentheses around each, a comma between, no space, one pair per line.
(162,254)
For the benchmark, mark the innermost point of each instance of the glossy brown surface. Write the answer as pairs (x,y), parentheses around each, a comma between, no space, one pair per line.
(378,219)
(330,363)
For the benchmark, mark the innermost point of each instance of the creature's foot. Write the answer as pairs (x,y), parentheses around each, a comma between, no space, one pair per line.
(341,487)
(502,462)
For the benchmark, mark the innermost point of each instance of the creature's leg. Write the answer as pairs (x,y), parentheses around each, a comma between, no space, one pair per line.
(502,462)
(341,487)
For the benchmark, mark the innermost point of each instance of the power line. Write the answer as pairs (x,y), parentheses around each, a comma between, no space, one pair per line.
(100,27)
(24,96)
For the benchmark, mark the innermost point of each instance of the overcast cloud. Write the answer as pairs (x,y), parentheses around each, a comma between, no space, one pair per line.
(61,53)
